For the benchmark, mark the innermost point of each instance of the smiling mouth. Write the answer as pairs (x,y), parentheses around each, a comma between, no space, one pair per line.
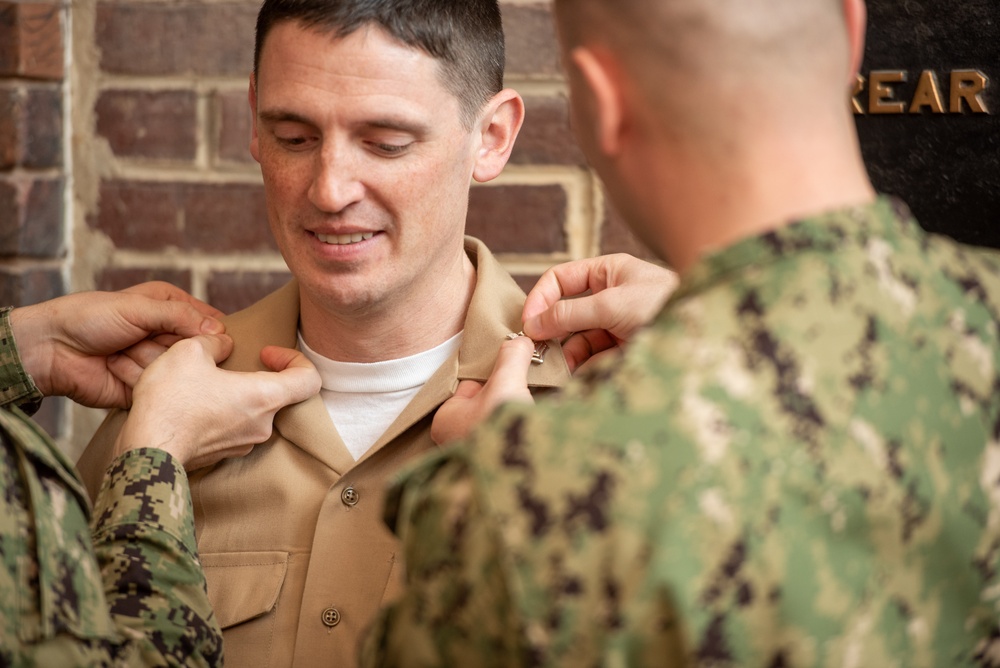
(344,239)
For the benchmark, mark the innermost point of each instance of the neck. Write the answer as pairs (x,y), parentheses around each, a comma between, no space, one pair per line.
(423,318)
(781,173)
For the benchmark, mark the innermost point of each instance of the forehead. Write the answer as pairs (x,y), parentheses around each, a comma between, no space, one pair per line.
(299,64)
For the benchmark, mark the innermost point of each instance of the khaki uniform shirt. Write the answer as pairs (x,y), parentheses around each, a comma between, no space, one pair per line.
(295,550)
(797,465)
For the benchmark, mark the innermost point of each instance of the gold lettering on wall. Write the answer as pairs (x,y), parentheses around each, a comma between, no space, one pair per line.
(859,88)
(968,85)
(928,94)
(880,92)
(886,94)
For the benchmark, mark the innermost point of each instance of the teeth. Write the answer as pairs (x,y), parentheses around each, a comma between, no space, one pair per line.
(344,239)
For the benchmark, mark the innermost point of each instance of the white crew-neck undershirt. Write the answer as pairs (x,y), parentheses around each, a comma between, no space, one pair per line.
(363,399)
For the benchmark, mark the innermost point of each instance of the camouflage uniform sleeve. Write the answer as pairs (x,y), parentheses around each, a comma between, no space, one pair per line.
(16,387)
(145,544)
(456,610)
(63,605)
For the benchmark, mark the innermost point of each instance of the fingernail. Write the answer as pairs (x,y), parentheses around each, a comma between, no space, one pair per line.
(212,326)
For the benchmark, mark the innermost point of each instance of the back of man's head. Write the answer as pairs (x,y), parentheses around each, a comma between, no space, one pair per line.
(697,60)
(465,36)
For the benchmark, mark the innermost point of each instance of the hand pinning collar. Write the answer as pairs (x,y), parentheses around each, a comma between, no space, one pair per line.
(541,347)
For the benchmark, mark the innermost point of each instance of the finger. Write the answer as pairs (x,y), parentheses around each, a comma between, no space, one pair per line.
(596,311)
(144,353)
(580,347)
(164,291)
(217,347)
(125,369)
(167,340)
(598,358)
(468,389)
(277,358)
(509,379)
(296,377)
(563,280)
(158,316)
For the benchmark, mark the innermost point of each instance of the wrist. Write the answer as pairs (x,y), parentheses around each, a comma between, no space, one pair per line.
(32,345)
(138,433)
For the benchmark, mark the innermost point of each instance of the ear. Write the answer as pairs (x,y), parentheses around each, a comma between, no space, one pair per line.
(603,88)
(252,97)
(500,122)
(856,14)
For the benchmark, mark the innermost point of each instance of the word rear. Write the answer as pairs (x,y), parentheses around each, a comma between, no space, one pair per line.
(965,92)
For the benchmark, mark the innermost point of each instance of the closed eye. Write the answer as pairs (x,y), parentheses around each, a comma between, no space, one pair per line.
(389,150)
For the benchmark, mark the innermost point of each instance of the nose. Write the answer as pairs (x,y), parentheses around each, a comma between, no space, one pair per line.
(336,185)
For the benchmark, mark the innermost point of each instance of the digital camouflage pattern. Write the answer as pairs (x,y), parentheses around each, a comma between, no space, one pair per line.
(796,465)
(134,595)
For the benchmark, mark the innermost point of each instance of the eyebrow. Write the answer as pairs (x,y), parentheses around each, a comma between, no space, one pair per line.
(280,115)
(414,128)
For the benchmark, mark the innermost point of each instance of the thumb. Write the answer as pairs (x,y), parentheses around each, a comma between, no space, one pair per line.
(297,374)
(555,322)
(510,373)
(219,346)
(468,389)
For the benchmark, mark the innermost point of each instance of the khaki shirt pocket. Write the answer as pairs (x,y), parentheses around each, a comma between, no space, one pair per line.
(243,585)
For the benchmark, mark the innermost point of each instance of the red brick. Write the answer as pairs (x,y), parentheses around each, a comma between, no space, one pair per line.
(532,50)
(31,127)
(141,216)
(235,125)
(144,38)
(191,216)
(232,291)
(221,218)
(616,237)
(519,219)
(31,40)
(526,281)
(31,217)
(10,128)
(43,139)
(121,278)
(149,124)
(546,138)
(23,286)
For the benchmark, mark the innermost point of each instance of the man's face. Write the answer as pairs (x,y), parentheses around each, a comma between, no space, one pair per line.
(366,166)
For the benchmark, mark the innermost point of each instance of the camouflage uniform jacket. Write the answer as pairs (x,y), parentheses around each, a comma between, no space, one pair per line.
(129,594)
(796,465)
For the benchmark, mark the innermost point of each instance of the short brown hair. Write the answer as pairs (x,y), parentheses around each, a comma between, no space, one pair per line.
(466,36)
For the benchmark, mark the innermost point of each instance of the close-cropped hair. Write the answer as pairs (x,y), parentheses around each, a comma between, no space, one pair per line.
(465,36)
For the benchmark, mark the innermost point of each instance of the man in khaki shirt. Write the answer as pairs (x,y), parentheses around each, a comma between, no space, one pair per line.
(370,121)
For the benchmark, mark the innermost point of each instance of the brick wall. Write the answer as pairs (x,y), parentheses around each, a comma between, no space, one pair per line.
(33,224)
(163,186)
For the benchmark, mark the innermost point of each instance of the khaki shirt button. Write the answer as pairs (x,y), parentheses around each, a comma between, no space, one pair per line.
(350,497)
(331,617)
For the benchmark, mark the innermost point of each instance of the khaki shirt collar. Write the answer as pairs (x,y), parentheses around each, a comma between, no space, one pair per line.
(494,311)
